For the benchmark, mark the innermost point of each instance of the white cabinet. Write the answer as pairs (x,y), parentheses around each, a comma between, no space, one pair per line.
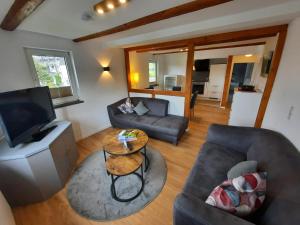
(40,168)
(244,108)
(214,88)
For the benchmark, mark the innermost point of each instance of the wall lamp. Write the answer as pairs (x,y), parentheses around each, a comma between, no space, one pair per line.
(106,68)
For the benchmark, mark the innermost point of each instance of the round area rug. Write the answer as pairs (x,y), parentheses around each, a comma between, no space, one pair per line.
(89,193)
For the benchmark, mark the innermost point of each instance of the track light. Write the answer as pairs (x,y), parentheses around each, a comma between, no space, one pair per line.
(110,6)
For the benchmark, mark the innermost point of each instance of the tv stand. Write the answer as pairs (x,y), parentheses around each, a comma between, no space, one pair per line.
(43,133)
(33,172)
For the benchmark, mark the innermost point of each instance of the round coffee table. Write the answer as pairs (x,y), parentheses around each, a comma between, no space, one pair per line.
(113,146)
(124,165)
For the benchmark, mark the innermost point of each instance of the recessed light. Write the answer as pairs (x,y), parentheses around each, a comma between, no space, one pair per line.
(110,6)
(100,11)
(122,1)
(248,55)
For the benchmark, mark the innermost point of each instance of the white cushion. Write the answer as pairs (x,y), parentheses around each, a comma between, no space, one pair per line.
(6,216)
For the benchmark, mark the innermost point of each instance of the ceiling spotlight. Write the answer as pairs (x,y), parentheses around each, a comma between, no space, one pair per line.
(248,55)
(100,11)
(110,6)
(122,1)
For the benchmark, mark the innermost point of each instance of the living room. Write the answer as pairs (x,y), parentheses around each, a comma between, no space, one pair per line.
(87,52)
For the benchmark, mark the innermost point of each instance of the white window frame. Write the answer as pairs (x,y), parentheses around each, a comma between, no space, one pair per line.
(68,56)
(156,70)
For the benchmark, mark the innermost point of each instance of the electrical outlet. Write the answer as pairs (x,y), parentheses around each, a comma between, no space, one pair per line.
(291,112)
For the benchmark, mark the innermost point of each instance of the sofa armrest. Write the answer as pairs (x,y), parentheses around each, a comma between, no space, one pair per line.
(236,138)
(113,108)
(189,210)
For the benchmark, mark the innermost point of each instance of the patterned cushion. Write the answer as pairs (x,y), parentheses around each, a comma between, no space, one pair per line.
(240,196)
(126,107)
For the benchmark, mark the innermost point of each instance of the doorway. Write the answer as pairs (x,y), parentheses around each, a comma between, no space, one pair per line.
(241,75)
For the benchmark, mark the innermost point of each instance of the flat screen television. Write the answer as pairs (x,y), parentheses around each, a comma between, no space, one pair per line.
(23,113)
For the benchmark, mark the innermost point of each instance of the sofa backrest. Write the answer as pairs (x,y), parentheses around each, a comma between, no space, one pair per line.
(157,107)
(281,160)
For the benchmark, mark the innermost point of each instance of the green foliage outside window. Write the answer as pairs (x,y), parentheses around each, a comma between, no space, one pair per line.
(46,78)
(152,72)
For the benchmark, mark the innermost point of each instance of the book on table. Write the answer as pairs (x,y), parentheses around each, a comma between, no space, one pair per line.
(127,135)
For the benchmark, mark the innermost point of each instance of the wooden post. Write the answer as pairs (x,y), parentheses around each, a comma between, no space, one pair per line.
(271,78)
(227,82)
(127,68)
(188,79)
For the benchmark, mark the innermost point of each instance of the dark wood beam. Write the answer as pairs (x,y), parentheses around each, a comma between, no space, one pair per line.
(228,77)
(162,15)
(188,80)
(271,78)
(212,48)
(234,36)
(18,12)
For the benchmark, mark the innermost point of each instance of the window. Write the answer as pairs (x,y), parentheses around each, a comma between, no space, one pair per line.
(56,70)
(152,72)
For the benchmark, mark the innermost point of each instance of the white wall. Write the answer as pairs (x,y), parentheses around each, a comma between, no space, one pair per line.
(175,64)
(140,95)
(176,104)
(224,53)
(283,112)
(139,63)
(258,80)
(96,89)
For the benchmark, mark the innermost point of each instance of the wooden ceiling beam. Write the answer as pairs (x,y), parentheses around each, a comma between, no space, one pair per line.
(212,48)
(234,36)
(18,12)
(162,15)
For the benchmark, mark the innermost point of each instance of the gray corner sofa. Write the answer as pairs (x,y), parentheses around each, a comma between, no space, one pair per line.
(157,123)
(225,147)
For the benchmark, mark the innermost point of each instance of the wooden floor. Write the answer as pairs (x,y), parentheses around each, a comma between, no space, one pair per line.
(180,159)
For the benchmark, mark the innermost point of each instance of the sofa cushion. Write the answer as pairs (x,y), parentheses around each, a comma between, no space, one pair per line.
(140,109)
(240,196)
(157,107)
(211,169)
(126,107)
(242,168)
(171,124)
(126,117)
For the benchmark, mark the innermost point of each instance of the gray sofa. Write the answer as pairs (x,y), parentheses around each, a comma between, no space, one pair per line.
(157,123)
(225,147)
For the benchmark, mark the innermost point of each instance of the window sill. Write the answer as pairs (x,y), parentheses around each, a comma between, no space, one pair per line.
(68,104)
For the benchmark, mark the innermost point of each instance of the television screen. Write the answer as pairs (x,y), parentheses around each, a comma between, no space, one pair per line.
(24,112)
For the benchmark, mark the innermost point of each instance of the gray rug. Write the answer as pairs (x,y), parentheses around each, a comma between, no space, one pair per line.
(89,193)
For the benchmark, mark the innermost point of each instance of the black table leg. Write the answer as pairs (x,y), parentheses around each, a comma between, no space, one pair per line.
(147,161)
(113,187)
(105,160)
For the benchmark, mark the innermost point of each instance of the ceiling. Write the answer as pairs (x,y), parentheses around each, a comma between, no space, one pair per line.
(62,18)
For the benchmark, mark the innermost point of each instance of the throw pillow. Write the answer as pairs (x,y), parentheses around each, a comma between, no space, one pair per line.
(242,168)
(126,107)
(141,109)
(240,196)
